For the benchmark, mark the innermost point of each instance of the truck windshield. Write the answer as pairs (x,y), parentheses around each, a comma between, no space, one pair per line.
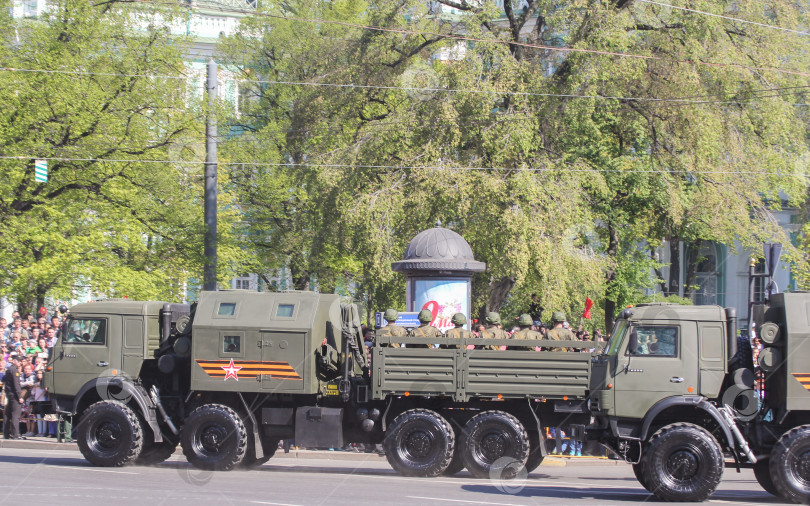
(616,339)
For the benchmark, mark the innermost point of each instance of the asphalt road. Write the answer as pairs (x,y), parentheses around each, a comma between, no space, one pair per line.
(38,476)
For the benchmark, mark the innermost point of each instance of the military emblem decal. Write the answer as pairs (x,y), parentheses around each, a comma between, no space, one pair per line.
(803,378)
(248,369)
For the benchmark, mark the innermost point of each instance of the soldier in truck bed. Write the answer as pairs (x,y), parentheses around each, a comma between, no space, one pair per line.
(558,332)
(525,322)
(391,328)
(493,330)
(459,332)
(425,329)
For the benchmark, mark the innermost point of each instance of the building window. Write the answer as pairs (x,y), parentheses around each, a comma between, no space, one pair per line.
(706,275)
(242,284)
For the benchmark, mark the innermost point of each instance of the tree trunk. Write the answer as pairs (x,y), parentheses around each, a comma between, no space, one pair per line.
(674,266)
(691,269)
(498,292)
(610,277)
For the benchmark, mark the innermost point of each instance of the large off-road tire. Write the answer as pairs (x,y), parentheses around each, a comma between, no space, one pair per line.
(640,476)
(535,457)
(491,436)
(419,442)
(744,357)
(762,472)
(683,462)
(214,438)
(156,453)
(790,465)
(269,447)
(109,434)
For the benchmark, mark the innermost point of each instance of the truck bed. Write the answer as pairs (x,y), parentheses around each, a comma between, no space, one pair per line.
(468,374)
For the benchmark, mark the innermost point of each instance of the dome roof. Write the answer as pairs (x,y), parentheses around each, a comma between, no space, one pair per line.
(438,249)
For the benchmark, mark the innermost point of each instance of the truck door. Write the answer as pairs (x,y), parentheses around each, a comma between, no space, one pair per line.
(86,351)
(664,365)
(284,363)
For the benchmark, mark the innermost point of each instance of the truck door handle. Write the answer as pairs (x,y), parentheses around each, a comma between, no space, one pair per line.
(676,380)
(102,364)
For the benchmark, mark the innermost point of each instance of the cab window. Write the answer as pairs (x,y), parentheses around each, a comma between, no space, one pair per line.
(87,331)
(226,309)
(285,310)
(616,338)
(657,341)
(232,344)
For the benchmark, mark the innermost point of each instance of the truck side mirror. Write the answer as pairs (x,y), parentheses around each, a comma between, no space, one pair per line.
(632,346)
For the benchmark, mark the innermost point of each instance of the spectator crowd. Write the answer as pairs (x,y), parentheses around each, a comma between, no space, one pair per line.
(27,341)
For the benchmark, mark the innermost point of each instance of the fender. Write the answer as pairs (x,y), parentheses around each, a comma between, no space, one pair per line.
(694,401)
(125,391)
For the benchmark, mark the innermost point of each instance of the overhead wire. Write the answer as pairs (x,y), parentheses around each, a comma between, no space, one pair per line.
(400,167)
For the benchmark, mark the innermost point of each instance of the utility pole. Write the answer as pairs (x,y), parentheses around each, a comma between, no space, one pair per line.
(210,242)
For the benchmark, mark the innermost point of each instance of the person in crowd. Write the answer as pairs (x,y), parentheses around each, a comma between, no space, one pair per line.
(391,329)
(493,331)
(458,332)
(4,328)
(39,394)
(525,322)
(14,399)
(558,332)
(32,347)
(25,323)
(425,329)
(27,382)
(51,337)
(535,309)
(17,327)
(16,339)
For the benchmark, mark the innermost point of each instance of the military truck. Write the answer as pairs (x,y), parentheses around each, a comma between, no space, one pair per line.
(675,393)
(233,374)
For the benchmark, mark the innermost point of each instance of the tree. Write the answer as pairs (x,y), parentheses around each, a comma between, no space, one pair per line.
(99,91)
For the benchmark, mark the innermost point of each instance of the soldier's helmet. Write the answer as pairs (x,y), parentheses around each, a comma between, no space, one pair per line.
(459,319)
(525,320)
(558,316)
(391,315)
(493,318)
(425,316)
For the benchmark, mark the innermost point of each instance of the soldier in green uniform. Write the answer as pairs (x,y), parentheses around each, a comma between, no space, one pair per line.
(425,329)
(557,332)
(493,331)
(525,322)
(391,329)
(459,332)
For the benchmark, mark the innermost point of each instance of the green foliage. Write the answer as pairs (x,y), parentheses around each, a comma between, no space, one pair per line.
(105,95)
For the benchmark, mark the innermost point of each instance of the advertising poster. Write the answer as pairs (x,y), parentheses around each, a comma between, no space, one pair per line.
(443,298)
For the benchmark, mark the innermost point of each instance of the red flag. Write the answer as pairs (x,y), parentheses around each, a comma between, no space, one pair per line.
(588,305)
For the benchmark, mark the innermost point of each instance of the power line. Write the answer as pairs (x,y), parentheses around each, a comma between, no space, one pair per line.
(411,89)
(400,167)
(738,20)
(511,43)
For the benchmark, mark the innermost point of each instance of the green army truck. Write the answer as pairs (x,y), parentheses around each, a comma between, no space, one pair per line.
(233,374)
(675,393)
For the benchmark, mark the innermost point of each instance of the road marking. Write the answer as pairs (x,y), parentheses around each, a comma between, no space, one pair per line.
(98,470)
(462,500)
(274,503)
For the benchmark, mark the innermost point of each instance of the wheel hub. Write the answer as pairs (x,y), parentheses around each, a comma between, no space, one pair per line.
(418,444)
(493,446)
(683,465)
(212,438)
(108,434)
(802,466)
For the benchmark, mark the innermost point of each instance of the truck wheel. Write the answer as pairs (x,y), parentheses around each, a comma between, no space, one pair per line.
(156,453)
(744,357)
(419,442)
(214,438)
(535,457)
(110,434)
(790,465)
(762,472)
(637,470)
(490,436)
(683,463)
(456,464)
(269,447)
